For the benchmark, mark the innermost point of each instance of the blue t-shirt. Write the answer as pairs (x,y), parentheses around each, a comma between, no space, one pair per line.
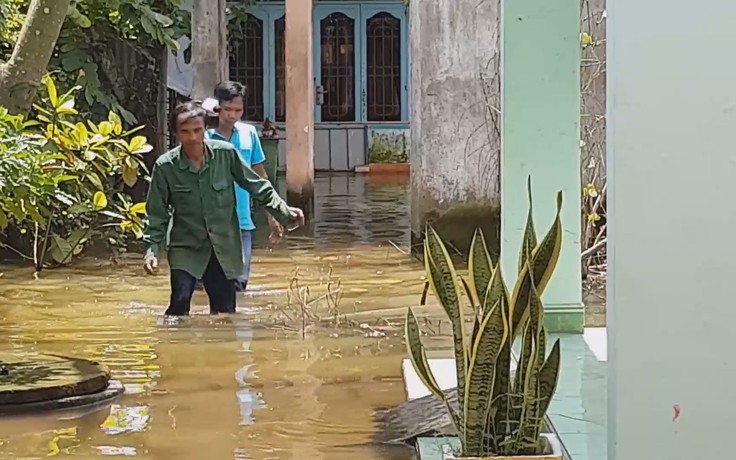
(245,139)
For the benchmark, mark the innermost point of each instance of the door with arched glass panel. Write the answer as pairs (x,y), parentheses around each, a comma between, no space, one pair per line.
(248,48)
(337,48)
(385,64)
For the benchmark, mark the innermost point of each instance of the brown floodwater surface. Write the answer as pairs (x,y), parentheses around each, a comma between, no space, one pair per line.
(254,385)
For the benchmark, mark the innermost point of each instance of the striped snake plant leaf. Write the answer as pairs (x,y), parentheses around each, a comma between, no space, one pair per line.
(540,394)
(443,279)
(496,291)
(541,265)
(536,317)
(502,379)
(476,320)
(547,380)
(529,241)
(547,253)
(530,418)
(418,357)
(520,378)
(497,422)
(480,267)
(479,388)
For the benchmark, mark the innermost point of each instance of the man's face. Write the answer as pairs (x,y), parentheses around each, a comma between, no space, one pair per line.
(190,131)
(231,111)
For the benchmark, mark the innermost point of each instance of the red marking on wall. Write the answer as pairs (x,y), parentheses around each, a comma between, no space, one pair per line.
(677,410)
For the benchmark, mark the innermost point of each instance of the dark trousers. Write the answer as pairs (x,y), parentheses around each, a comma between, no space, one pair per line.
(220,290)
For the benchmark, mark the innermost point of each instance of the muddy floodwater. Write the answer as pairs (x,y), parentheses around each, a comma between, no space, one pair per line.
(315,348)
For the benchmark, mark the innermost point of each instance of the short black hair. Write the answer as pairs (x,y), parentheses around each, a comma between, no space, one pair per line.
(226,91)
(192,109)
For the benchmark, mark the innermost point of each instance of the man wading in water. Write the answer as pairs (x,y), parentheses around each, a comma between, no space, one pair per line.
(230,97)
(192,185)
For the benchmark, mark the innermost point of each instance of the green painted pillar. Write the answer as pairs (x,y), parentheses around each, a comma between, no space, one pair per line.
(541,136)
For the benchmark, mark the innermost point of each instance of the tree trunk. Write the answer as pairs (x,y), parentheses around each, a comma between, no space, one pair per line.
(21,76)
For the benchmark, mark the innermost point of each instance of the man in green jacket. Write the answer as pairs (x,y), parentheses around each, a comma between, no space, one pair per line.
(192,188)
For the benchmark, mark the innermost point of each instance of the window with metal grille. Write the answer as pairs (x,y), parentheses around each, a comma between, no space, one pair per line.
(280,52)
(337,32)
(383,52)
(246,66)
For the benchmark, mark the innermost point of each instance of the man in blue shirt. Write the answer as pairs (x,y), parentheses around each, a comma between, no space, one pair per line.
(231,99)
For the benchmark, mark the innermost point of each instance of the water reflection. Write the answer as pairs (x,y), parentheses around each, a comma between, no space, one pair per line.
(248,399)
(240,387)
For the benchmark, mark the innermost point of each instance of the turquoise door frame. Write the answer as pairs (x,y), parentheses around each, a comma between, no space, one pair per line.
(360,12)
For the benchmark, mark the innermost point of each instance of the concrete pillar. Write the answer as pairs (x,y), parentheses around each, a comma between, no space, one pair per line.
(455,144)
(299,106)
(671,213)
(209,46)
(541,137)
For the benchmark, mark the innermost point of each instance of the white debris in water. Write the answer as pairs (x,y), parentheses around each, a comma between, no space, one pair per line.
(375,334)
(115,450)
(133,419)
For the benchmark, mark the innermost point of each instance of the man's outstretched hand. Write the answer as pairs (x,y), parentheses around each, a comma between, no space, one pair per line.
(150,265)
(277,231)
(298,216)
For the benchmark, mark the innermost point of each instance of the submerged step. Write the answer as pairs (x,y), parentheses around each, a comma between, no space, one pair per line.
(40,382)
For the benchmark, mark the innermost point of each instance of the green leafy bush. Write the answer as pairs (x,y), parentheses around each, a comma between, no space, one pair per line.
(111,48)
(61,180)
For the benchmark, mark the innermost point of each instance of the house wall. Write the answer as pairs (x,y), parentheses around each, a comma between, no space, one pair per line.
(338,145)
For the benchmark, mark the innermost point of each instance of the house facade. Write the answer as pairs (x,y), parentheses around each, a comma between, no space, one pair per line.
(361,77)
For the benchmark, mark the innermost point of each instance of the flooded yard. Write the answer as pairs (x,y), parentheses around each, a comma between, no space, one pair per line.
(315,348)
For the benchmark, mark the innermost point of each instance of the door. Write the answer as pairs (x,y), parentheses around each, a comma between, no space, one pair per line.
(337,48)
(384,71)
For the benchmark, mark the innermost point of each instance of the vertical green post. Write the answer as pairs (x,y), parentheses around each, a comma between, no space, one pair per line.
(540,88)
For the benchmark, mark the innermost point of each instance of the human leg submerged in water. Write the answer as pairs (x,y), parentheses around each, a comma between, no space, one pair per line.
(242,282)
(220,290)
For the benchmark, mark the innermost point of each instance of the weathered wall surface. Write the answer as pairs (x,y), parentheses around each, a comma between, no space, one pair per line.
(455,138)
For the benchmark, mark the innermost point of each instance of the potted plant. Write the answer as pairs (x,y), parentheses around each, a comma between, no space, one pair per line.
(388,154)
(500,412)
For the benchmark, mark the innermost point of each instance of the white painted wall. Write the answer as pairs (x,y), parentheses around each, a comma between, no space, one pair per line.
(672,213)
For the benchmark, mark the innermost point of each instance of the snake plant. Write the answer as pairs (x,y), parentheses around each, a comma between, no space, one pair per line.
(500,412)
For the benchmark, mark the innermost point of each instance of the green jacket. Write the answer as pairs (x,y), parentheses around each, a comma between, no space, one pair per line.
(200,206)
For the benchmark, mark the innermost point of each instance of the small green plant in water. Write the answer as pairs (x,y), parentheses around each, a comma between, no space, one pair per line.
(62,178)
(501,413)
